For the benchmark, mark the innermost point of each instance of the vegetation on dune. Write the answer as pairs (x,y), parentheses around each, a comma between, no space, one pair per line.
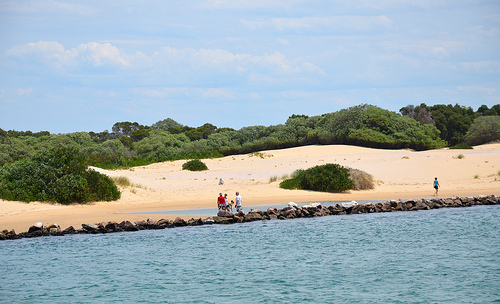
(132,144)
(58,175)
(325,178)
(194,165)
(59,171)
(484,130)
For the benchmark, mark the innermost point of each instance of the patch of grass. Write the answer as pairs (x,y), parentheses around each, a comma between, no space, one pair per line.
(405,157)
(476,176)
(122,181)
(361,179)
(459,156)
(125,182)
(273,178)
(260,154)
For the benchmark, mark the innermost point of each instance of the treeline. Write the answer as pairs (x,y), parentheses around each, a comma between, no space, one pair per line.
(131,144)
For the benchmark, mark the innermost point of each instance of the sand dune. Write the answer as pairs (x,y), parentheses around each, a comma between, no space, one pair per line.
(163,186)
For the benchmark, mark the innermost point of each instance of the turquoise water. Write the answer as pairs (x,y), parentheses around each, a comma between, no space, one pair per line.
(447,255)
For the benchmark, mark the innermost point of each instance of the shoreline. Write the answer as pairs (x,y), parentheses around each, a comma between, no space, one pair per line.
(291,211)
(398,174)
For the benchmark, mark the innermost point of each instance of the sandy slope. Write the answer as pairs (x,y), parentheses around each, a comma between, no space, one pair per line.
(163,186)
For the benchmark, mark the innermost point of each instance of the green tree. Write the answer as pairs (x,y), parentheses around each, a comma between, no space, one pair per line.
(485,129)
(166,124)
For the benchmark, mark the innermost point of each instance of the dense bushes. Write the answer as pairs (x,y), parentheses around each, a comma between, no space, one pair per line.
(194,165)
(131,144)
(58,175)
(326,178)
(485,129)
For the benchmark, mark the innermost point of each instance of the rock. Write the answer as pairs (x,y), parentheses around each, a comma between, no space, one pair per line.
(224,213)
(240,213)
(54,228)
(349,204)
(273,210)
(208,221)
(223,220)
(316,205)
(165,223)
(112,227)
(253,216)
(292,204)
(421,205)
(178,222)
(141,225)
(383,207)
(195,222)
(90,228)
(69,230)
(36,227)
(128,226)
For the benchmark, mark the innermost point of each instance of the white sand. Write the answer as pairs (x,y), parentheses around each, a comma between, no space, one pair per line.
(163,186)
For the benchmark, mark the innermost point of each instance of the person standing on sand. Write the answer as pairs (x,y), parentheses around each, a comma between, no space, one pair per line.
(221,202)
(436,186)
(238,201)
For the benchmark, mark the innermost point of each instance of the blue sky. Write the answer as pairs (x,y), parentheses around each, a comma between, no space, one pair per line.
(68,66)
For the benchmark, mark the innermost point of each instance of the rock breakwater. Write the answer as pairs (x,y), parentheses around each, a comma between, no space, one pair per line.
(288,212)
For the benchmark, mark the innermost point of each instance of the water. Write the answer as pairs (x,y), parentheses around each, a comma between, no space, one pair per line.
(437,256)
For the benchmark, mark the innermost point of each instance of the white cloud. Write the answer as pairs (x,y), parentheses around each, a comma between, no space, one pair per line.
(167,60)
(24,91)
(52,53)
(217,93)
(101,53)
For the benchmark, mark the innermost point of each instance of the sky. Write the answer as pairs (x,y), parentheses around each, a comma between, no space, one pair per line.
(70,66)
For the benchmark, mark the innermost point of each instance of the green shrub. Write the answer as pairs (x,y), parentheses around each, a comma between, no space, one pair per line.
(58,175)
(327,178)
(194,165)
(461,146)
(485,129)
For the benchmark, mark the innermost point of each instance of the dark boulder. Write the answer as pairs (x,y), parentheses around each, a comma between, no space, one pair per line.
(35,227)
(179,222)
(128,226)
(195,222)
(112,227)
(90,228)
(69,230)
(223,220)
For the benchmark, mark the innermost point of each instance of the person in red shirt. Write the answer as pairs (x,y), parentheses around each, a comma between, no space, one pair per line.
(221,202)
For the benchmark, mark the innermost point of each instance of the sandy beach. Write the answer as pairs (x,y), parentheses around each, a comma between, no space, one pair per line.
(398,174)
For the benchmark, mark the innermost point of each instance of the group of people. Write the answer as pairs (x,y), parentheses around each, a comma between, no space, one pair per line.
(224,204)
